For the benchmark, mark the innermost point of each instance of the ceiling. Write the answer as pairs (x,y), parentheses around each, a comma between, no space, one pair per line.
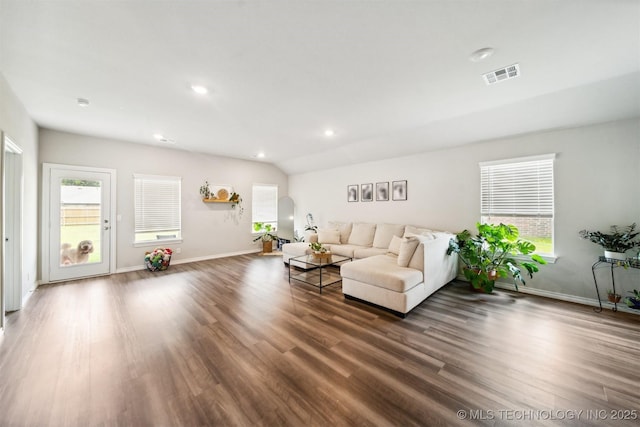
(390,77)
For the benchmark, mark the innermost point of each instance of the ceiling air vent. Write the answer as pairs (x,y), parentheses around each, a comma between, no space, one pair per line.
(502,74)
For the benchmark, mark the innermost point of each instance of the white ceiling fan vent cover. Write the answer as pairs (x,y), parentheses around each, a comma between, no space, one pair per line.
(502,74)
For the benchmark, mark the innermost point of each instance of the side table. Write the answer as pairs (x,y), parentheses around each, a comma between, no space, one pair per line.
(612,264)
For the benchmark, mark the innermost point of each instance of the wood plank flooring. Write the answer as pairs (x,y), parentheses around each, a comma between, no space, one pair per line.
(230,342)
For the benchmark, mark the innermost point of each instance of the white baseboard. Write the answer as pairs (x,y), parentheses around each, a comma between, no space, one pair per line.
(558,295)
(565,297)
(188,260)
(26,297)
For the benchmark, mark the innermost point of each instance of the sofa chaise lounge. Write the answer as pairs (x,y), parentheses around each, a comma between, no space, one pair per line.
(394,266)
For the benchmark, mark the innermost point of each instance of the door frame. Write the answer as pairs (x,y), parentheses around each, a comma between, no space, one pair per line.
(12,222)
(46,223)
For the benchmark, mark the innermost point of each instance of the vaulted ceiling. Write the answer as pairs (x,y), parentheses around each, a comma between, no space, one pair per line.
(389,77)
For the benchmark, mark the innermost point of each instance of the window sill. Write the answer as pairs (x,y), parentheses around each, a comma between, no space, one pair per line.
(550,258)
(155,243)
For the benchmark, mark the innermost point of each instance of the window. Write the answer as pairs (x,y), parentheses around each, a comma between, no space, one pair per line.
(157,208)
(264,211)
(520,192)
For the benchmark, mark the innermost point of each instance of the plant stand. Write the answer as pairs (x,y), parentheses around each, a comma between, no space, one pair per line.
(612,264)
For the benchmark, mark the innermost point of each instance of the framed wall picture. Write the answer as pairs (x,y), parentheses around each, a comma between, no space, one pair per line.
(366,192)
(382,191)
(352,193)
(399,190)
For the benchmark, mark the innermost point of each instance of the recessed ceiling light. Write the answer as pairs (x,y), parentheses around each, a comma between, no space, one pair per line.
(158,136)
(329,133)
(481,54)
(82,102)
(260,155)
(200,90)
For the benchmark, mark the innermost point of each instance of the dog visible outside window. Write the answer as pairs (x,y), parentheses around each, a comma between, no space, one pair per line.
(78,255)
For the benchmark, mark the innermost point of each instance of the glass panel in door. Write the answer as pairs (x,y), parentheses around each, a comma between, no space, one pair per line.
(79,234)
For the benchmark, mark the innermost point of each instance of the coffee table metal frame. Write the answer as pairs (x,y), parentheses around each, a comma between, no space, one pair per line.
(316,273)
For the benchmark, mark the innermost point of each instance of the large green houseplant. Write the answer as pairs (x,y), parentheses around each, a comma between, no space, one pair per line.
(496,251)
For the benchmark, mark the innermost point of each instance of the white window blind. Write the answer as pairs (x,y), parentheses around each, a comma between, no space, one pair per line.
(518,187)
(264,203)
(157,207)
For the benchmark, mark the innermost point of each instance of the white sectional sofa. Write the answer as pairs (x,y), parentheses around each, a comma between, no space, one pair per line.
(395,266)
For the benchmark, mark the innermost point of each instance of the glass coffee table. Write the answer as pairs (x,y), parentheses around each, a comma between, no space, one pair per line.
(318,272)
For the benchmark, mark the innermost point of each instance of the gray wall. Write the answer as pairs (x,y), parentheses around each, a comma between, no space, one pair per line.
(208,230)
(596,184)
(16,123)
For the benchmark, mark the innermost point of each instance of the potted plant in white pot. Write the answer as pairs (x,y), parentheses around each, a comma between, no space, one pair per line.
(616,243)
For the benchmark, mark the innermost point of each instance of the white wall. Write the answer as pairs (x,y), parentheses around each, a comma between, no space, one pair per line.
(208,230)
(597,183)
(17,125)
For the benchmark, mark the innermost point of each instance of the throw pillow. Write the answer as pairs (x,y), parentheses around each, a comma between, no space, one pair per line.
(384,233)
(310,237)
(344,228)
(362,234)
(394,246)
(326,235)
(407,248)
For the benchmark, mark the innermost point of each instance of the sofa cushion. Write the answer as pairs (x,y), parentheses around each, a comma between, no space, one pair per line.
(345,250)
(344,228)
(417,260)
(407,248)
(382,271)
(310,236)
(394,245)
(327,235)
(367,252)
(362,234)
(384,234)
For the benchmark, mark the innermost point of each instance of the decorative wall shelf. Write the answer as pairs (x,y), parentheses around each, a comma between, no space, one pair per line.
(217,201)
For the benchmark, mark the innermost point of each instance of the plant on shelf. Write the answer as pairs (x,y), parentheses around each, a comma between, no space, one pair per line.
(205,191)
(492,254)
(266,235)
(634,301)
(613,297)
(236,200)
(615,243)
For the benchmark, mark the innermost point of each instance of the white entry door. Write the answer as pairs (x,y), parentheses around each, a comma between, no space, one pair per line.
(80,226)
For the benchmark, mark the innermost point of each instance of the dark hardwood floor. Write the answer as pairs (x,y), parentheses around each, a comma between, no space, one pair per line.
(230,342)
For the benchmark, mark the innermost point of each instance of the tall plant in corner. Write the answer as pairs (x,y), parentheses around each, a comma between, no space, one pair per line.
(492,253)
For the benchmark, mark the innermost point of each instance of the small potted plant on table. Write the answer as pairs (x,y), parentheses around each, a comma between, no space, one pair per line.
(491,254)
(319,251)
